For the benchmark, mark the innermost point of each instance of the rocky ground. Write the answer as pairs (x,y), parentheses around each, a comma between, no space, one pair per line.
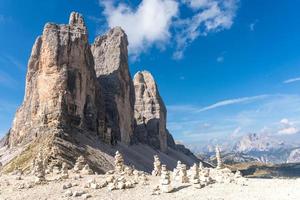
(13,189)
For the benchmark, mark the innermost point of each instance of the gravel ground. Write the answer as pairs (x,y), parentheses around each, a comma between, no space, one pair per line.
(256,189)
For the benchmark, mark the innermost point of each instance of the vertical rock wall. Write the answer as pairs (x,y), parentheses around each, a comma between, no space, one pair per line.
(149,112)
(111,66)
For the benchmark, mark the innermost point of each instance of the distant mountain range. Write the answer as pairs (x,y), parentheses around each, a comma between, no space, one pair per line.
(257,148)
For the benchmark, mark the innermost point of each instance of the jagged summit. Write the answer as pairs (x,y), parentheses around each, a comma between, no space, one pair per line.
(80,100)
(111,66)
(77,20)
(150,112)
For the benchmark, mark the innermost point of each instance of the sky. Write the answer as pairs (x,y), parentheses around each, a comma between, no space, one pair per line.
(224,68)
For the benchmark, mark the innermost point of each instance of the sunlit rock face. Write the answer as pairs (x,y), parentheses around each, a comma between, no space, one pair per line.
(149,112)
(61,85)
(79,97)
(111,66)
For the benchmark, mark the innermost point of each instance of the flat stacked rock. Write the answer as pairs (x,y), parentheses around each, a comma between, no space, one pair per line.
(177,170)
(86,170)
(64,171)
(194,178)
(157,166)
(182,177)
(39,169)
(165,182)
(79,165)
(205,177)
(218,157)
(119,162)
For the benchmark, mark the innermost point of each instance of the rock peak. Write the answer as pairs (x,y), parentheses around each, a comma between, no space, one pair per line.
(76,19)
(111,66)
(150,112)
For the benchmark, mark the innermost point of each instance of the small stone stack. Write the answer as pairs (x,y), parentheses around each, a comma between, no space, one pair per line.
(129,170)
(86,170)
(32,166)
(119,162)
(194,178)
(205,177)
(136,176)
(182,177)
(157,166)
(39,168)
(144,179)
(119,183)
(238,174)
(218,157)
(176,170)
(165,182)
(64,171)
(201,166)
(79,165)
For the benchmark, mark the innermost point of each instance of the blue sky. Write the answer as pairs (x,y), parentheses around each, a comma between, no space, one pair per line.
(224,68)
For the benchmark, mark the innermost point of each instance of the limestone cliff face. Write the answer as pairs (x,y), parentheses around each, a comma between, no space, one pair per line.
(149,112)
(61,86)
(111,66)
(79,97)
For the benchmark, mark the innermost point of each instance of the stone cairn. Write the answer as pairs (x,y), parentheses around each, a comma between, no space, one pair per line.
(194,177)
(182,177)
(165,182)
(176,170)
(119,162)
(205,177)
(129,170)
(157,166)
(86,170)
(218,157)
(39,168)
(79,165)
(238,174)
(201,166)
(64,171)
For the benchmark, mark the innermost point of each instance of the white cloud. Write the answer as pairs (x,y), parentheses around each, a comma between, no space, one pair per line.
(157,22)
(210,16)
(196,4)
(285,122)
(256,116)
(232,102)
(288,127)
(146,25)
(288,131)
(292,80)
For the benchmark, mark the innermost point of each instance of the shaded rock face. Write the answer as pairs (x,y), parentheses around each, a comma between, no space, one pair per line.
(111,66)
(62,92)
(150,112)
